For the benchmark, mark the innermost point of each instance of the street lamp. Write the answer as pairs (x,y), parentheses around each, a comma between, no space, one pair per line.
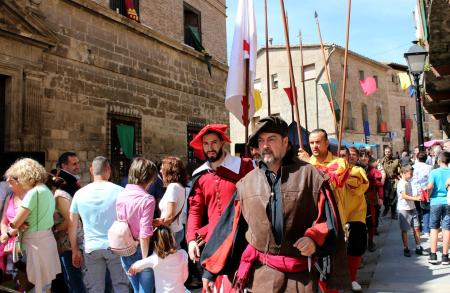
(415,57)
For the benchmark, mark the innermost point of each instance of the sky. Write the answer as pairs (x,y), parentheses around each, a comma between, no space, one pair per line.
(379,29)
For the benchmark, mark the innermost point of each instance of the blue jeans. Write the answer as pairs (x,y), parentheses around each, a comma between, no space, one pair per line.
(143,282)
(425,221)
(179,236)
(439,217)
(72,275)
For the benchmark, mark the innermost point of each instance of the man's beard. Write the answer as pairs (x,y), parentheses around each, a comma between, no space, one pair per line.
(215,158)
(268,159)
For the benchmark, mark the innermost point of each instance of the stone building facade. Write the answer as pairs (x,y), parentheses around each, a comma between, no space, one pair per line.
(386,110)
(72,70)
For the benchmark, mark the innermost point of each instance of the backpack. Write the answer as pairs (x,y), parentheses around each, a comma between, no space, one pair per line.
(121,242)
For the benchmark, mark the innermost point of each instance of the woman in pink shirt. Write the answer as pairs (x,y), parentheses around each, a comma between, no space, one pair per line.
(136,206)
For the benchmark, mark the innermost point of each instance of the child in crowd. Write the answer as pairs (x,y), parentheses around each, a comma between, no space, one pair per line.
(169,264)
(408,216)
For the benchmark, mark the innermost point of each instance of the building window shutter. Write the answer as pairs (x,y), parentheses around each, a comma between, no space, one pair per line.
(192,27)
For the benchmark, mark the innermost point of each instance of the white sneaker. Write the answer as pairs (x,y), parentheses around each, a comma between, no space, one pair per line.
(356,287)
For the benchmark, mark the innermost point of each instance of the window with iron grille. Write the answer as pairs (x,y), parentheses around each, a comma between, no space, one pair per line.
(193,127)
(403,116)
(350,120)
(365,113)
(379,119)
(361,75)
(120,6)
(120,164)
(274,78)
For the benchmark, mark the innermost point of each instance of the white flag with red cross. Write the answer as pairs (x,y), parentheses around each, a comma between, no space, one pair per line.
(244,47)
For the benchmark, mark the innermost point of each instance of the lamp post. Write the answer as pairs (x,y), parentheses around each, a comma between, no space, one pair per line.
(415,57)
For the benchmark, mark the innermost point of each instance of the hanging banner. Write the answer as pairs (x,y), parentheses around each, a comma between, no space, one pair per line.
(131,10)
(244,47)
(257,99)
(366,131)
(126,139)
(337,109)
(289,94)
(368,86)
(408,125)
(405,80)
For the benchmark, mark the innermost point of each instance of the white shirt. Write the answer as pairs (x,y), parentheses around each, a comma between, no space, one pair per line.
(419,180)
(176,193)
(170,272)
(404,204)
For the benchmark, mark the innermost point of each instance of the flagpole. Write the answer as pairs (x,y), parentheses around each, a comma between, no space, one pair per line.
(267,58)
(290,81)
(292,104)
(291,73)
(303,79)
(327,73)
(246,103)
(344,83)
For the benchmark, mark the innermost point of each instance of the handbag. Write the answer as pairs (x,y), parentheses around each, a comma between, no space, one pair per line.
(121,241)
(20,266)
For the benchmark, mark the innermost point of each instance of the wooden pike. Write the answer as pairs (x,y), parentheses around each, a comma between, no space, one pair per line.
(246,101)
(303,79)
(267,58)
(344,82)
(291,72)
(327,72)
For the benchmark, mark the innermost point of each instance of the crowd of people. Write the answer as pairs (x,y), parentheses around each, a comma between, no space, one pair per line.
(283,220)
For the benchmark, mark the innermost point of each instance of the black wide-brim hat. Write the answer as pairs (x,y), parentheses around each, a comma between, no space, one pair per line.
(272,124)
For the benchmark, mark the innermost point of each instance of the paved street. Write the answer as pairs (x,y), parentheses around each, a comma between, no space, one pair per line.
(386,270)
(396,273)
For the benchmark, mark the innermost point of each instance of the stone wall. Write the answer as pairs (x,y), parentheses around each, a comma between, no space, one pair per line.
(166,17)
(104,62)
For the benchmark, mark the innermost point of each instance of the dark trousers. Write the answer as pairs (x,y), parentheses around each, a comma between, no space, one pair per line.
(390,197)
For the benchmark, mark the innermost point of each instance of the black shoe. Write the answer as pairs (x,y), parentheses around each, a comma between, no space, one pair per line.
(372,246)
(445,259)
(432,259)
(406,252)
(419,250)
(394,217)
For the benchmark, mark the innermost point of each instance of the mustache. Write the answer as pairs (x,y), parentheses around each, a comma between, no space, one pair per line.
(266,152)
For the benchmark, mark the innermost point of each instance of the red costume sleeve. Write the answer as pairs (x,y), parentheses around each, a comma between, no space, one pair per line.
(196,211)
(326,221)
(319,230)
(379,185)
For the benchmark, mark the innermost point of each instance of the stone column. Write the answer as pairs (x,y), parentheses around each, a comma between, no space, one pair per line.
(32,110)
